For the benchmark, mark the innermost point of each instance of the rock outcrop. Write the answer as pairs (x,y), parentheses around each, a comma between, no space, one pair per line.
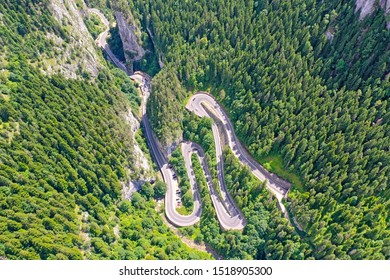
(141,161)
(79,54)
(367,7)
(160,60)
(131,46)
(385,4)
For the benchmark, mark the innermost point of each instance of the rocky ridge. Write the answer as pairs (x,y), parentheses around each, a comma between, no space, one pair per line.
(77,56)
(367,7)
(128,32)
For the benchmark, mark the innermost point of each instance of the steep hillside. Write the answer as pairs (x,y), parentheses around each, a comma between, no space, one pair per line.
(167,122)
(307,86)
(367,7)
(67,147)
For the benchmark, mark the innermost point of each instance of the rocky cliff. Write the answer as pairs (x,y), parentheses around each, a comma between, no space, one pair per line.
(367,7)
(78,54)
(128,32)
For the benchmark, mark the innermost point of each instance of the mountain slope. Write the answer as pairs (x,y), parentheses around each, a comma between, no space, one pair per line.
(307,86)
(67,149)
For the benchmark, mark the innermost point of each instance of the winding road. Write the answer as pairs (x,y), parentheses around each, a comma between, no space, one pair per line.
(228,214)
(172,184)
(144,81)
(229,217)
(203,105)
(101,40)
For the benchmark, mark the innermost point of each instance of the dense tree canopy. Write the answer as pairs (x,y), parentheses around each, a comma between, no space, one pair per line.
(304,81)
(308,82)
(166,120)
(267,234)
(66,151)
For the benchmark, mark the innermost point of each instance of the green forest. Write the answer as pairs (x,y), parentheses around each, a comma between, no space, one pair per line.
(187,199)
(65,154)
(306,84)
(267,234)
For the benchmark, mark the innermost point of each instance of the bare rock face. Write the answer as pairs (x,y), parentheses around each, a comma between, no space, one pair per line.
(145,173)
(366,7)
(128,33)
(385,4)
(79,55)
(329,35)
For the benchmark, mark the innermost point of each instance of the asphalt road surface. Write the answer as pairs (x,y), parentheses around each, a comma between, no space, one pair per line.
(101,40)
(167,173)
(232,219)
(204,105)
(228,214)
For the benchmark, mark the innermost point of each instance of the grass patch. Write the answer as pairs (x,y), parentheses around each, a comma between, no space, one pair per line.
(182,211)
(187,99)
(274,163)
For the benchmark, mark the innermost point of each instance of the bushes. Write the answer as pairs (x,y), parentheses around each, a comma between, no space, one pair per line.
(94,25)
(321,104)
(160,188)
(61,172)
(177,161)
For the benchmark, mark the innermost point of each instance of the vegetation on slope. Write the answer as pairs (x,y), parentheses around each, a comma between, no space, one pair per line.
(115,43)
(321,104)
(267,234)
(94,25)
(65,150)
(166,120)
(198,130)
(266,225)
(177,161)
(274,163)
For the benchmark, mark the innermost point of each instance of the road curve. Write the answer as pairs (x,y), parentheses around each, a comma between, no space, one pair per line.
(228,214)
(228,219)
(167,173)
(204,105)
(101,40)
(144,81)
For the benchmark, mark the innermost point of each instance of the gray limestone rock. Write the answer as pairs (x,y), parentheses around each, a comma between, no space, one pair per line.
(131,47)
